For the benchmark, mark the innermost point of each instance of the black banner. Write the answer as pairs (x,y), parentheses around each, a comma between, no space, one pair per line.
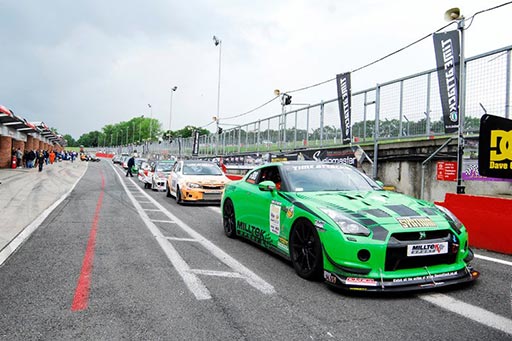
(447,50)
(195,146)
(344,103)
(495,147)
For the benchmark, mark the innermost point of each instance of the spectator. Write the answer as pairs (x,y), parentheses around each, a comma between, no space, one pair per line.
(40,159)
(19,156)
(131,163)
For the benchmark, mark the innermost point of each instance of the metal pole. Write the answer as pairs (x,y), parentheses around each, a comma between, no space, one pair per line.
(218,42)
(462,108)
(150,121)
(507,90)
(376,132)
(170,111)
(400,133)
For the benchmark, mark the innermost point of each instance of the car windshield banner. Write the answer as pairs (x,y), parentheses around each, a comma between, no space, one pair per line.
(447,50)
(344,103)
(495,147)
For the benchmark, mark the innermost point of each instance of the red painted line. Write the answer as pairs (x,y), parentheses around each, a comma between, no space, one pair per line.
(81,298)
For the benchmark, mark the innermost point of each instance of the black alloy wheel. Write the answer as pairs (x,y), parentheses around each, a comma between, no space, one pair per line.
(228,219)
(306,251)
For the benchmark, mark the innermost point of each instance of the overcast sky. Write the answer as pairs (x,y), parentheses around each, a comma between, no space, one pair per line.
(80,65)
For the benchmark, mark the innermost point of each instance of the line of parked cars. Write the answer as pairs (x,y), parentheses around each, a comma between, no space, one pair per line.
(185,180)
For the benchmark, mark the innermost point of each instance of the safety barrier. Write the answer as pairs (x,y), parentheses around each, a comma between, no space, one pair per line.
(487,219)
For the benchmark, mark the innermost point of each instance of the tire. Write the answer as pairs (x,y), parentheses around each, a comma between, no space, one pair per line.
(178,195)
(306,251)
(228,219)
(168,192)
(145,185)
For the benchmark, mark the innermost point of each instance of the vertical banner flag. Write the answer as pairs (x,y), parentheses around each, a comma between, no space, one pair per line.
(447,50)
(195,146)
(344,103)
(495,147)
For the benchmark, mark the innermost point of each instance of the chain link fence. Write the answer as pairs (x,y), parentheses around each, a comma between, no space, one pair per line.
(404,108)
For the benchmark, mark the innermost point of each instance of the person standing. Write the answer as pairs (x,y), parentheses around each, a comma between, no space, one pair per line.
(40,159)
(52,157)
(131,163)
(19,156)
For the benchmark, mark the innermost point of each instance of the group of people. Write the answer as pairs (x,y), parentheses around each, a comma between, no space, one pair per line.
(38,158)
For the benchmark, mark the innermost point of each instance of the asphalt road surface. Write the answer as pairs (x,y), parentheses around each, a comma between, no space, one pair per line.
(116,261)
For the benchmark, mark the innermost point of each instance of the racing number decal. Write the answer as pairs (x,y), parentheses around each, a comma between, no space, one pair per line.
(275,217)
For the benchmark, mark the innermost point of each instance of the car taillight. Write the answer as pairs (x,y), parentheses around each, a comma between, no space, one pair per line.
(146,172)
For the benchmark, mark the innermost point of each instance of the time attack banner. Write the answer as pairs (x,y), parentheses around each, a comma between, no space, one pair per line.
(447,50)
(344,103)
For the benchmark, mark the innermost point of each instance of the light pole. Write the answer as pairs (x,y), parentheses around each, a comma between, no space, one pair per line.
(218,43)
(170,111)
(454,14)
(150,121)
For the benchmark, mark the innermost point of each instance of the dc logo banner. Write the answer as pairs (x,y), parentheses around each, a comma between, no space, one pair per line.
(495,147)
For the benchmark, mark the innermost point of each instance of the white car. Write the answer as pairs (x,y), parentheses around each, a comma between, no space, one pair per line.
(159,172)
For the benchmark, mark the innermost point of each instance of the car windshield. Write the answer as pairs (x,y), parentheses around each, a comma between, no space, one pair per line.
(164,166)
(326,177)
(201,169)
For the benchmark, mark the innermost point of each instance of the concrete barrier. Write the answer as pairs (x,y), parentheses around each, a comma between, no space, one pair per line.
(487,219)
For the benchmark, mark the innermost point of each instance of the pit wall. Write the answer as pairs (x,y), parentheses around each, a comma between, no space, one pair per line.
(487,219)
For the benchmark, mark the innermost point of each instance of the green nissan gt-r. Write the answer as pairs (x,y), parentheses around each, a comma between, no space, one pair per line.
(334,222)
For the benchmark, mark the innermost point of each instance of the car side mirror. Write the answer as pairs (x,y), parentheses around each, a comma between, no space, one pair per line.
(267,186)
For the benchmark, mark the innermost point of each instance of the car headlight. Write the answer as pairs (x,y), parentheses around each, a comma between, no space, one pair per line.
(457,224)
(346,225)
(193,185)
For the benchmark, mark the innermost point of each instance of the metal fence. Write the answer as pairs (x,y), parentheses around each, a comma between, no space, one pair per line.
(402,108)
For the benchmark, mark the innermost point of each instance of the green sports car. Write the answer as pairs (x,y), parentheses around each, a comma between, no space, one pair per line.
(334,222)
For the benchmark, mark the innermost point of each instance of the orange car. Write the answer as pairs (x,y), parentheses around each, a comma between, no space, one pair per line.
(196,181)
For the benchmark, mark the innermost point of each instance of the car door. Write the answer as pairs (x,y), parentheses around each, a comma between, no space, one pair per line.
(261,213)
(173,176)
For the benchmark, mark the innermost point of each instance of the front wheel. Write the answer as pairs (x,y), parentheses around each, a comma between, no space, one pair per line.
(228,219)
(178,195)
(168,192)
(306,251)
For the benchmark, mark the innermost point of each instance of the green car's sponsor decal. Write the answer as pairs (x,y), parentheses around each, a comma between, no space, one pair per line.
(253,233)
(411,222)
(282,243)
(275,217)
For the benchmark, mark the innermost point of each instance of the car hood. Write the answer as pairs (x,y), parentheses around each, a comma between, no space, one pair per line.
(205,179)
(394,211)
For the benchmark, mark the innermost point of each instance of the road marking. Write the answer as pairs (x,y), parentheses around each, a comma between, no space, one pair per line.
(216,273)
(149,209)
(469,311)
(81,298)
(496,260)
(214,208)
(181,239)
(194,284)
(163,221)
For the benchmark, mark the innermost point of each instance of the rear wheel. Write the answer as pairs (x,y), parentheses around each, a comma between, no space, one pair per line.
(306,251)
(228,219)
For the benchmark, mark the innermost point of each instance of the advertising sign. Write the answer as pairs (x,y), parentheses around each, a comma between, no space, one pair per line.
(495,147)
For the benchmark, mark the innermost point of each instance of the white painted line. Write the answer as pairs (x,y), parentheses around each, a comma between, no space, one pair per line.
(144,202)
(216,273)
(495,260)
(181,239)
(27,231)
(214,208)
(148,209)
(193,283)
(469,311)
(250,277)
(163,221)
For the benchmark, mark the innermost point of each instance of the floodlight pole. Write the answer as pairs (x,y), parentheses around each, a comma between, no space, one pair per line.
(218,42)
